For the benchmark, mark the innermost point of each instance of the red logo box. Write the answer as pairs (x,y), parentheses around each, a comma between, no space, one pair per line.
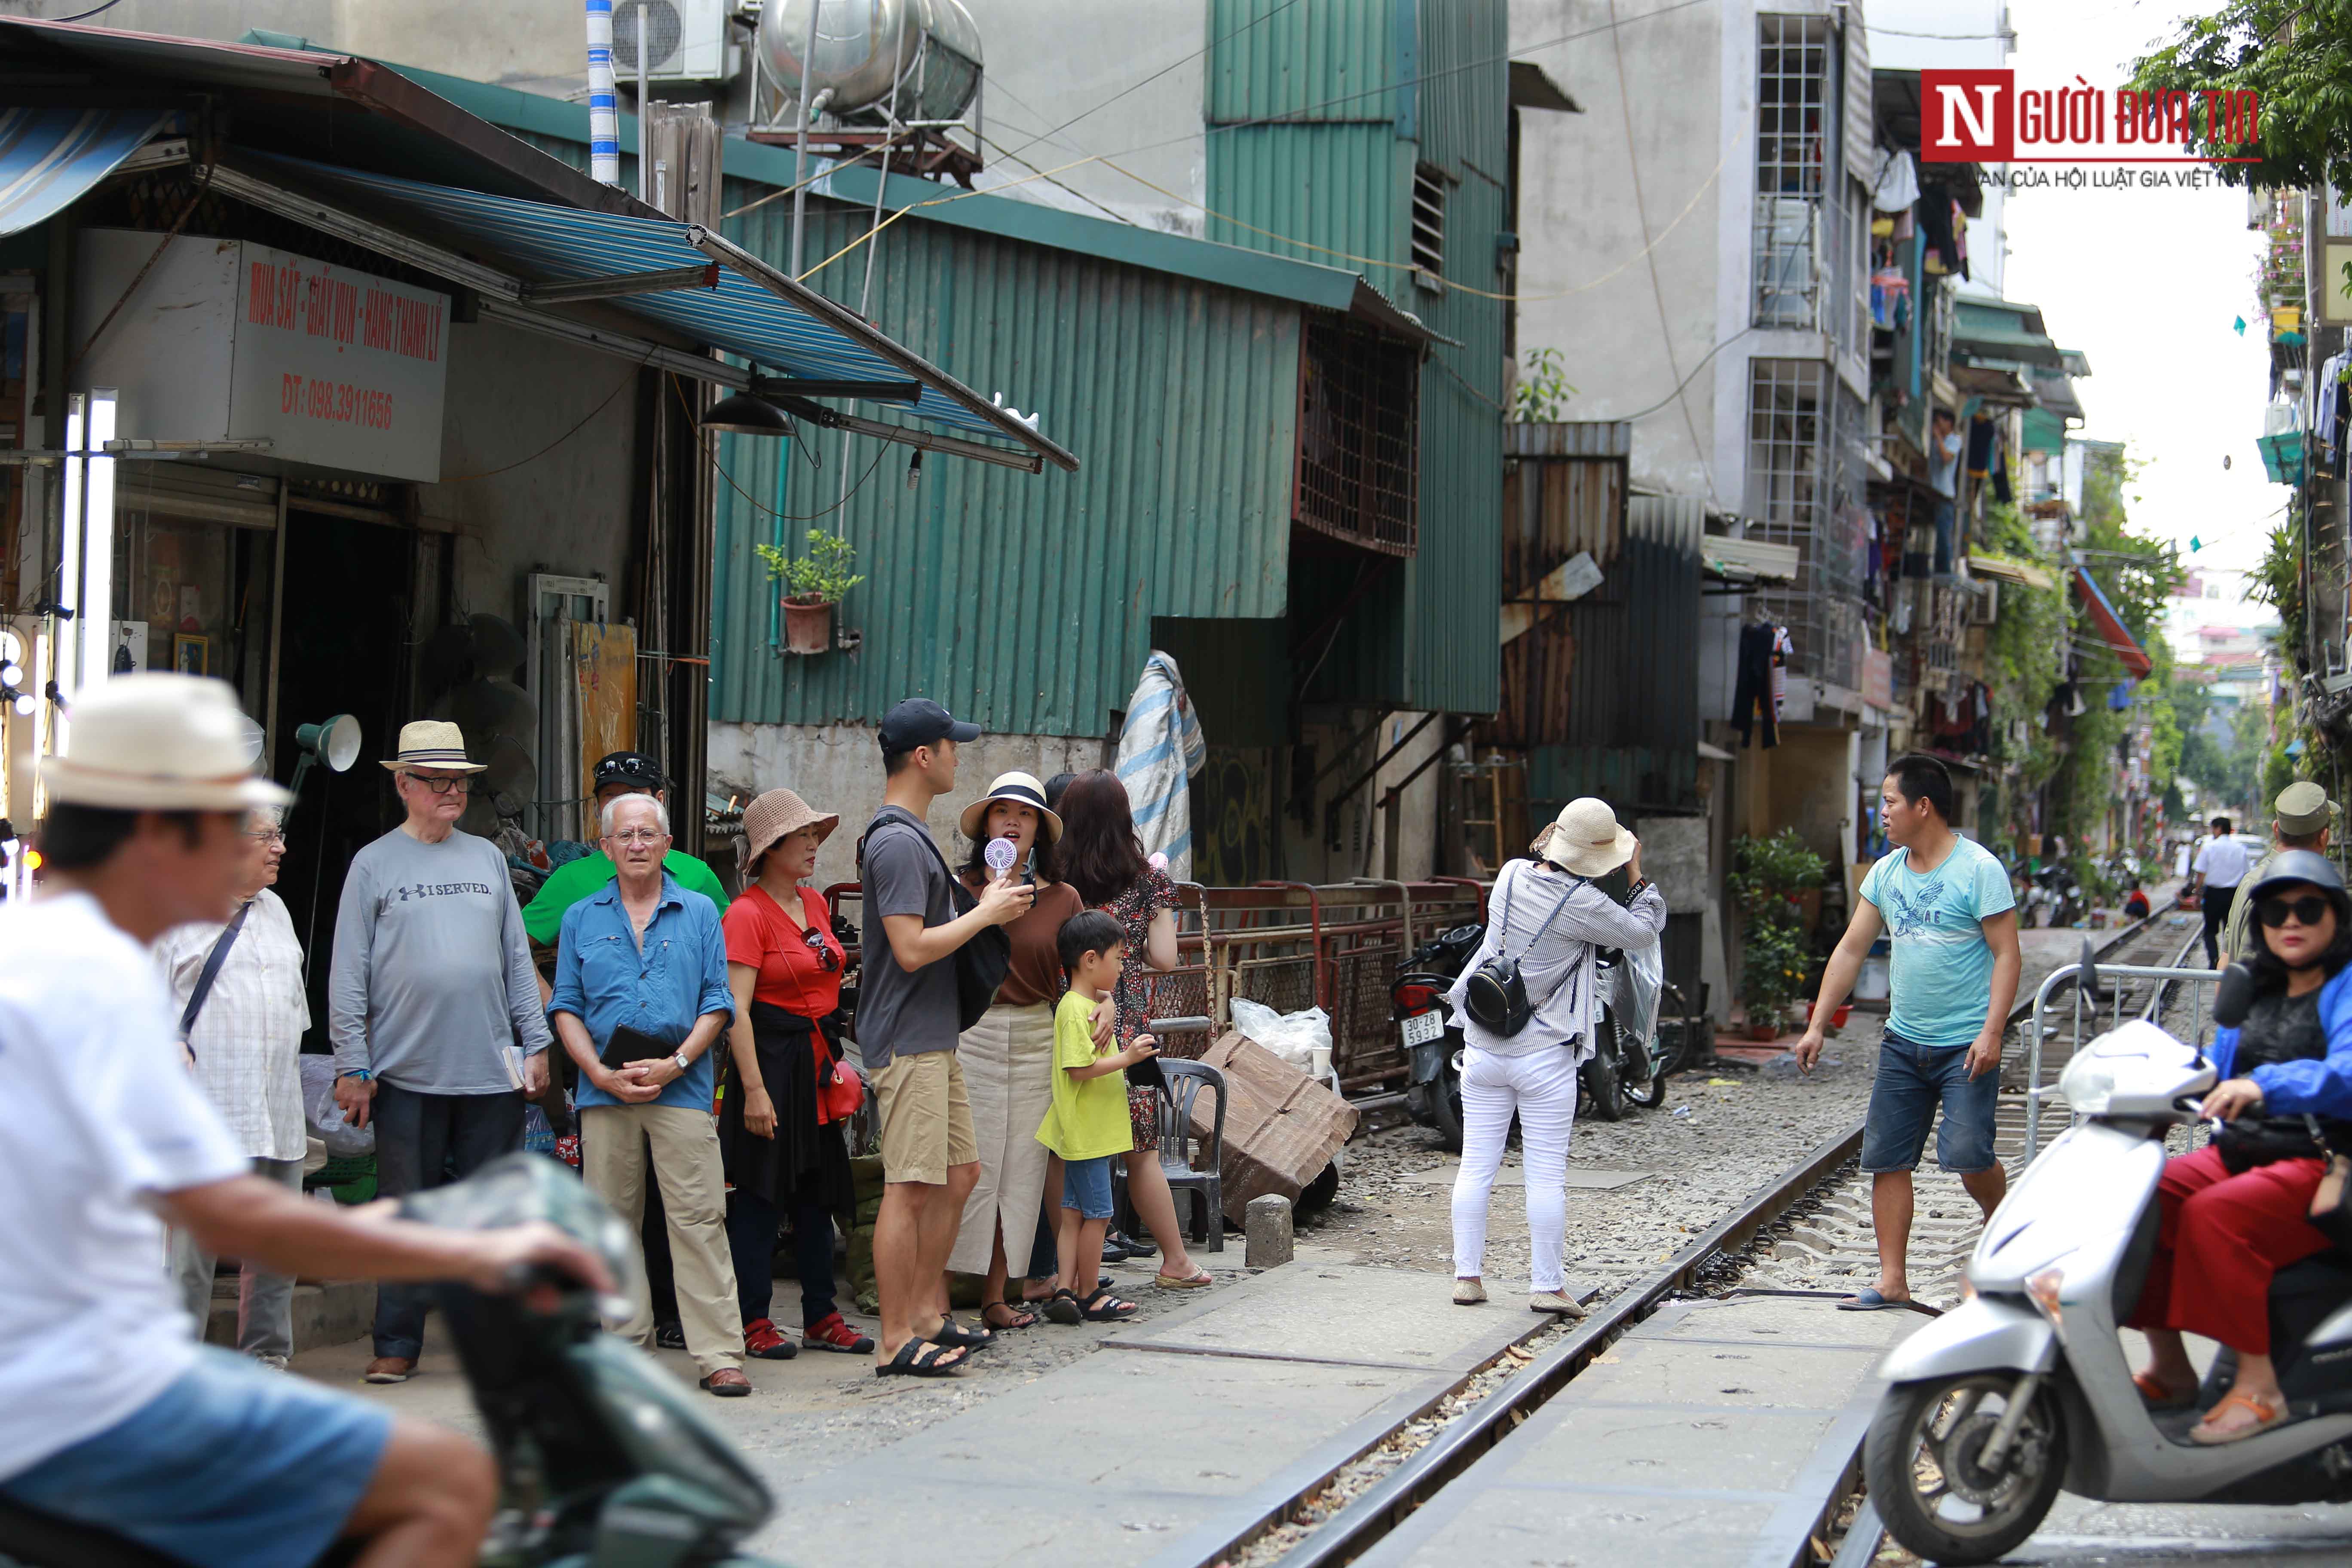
(1967,116)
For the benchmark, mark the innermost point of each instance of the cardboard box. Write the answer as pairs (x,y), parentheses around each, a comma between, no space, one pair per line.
(1281,1126)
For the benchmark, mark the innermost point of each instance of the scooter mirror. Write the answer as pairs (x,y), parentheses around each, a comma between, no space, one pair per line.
(2233,998)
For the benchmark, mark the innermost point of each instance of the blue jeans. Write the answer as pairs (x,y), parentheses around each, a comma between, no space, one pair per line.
(1947,520)
(230,1465)
(1085,1187)
(1913,1079)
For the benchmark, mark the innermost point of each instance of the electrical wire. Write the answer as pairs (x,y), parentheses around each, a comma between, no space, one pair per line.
(86,16)
(825,173)
(552,445)
(711,454)
(1107,212)
(157,255)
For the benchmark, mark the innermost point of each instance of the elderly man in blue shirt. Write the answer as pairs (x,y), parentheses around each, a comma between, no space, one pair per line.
(647,955)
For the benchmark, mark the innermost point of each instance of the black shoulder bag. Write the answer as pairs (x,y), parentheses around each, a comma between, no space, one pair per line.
(980,963)
(211,972)
(1497,993)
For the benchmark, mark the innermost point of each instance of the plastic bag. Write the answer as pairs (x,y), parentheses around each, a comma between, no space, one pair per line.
(1640,977)
(1293,1037)
(344,1141)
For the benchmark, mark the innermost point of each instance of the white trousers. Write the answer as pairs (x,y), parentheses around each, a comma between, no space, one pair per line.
(1542,1088)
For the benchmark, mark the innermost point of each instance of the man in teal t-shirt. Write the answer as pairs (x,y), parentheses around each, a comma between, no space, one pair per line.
(620,773)
(1948,913)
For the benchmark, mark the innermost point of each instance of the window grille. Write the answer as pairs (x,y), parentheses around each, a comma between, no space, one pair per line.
(1803,490)
(1796,164)
(1428,221)
(1358,436)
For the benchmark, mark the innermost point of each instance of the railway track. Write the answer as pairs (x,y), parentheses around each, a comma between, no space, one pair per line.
(1805,1231)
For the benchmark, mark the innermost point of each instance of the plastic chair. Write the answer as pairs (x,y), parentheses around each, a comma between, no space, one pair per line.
(1182,1082)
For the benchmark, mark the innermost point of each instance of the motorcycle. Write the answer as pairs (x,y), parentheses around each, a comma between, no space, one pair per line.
(1628,1065)
(2054,896)
(2024,1389)
(602,1456)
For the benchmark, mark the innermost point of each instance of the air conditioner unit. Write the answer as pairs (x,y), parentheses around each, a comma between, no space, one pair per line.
(683,40)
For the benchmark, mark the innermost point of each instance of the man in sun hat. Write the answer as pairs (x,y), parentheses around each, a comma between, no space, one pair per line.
(1944,903)
(431,988)
(111,1414)
(2301,817)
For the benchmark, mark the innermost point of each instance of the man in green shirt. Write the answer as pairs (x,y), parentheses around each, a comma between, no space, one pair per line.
(620,773)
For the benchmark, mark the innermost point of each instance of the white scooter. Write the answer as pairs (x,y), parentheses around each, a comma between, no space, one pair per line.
(2024,1389)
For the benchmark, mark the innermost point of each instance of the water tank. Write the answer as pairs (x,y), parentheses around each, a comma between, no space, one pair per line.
(911,59)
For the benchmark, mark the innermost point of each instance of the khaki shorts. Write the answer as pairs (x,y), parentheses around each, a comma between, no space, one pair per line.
(926,1117)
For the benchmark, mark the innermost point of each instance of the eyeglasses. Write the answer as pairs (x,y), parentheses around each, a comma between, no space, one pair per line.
(267,835)
(461,783)
(824,954)
(638,836)
(2307,910)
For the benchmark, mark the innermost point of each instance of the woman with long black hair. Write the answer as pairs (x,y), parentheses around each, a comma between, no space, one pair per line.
(2237,1211)
(1103,858)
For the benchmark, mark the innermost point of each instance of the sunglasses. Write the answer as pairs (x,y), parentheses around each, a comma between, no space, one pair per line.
(824,955)
(2307,911)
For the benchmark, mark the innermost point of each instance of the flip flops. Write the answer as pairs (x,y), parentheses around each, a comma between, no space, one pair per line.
(921,1358)
(2158,1397)
(1869,1299)
(1017,1317)
(2265,1417)
(1199,1279)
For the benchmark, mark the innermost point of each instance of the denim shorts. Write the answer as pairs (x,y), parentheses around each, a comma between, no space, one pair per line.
(1911,1080)
(1085,1187)
(231,1466)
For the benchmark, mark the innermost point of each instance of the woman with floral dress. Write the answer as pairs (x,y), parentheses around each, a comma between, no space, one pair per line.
(1102,858)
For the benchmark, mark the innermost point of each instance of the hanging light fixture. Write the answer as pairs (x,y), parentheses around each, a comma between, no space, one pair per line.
(748,416)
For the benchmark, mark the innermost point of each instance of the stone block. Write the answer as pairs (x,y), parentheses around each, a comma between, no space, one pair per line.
(1269,1231)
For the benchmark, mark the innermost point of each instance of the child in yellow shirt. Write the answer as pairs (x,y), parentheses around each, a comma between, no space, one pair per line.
(1088,1122)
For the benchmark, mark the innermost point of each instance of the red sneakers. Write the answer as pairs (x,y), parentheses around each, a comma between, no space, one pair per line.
(834,1334)
(761,1340)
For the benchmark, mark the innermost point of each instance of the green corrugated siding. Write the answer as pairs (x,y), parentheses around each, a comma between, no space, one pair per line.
(1426,637)
(1023,602)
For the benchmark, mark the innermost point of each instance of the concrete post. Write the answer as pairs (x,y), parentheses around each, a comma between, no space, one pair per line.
(1268,1222)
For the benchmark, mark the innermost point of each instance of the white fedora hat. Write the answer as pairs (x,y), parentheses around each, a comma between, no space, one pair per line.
(433,743)
(1586,840)
(1022,789)
(159,742)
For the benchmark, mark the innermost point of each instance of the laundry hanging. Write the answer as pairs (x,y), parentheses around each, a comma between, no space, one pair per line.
(1757,694)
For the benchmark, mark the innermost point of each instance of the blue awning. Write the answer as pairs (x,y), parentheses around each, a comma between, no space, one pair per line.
(754,311)
(49,157)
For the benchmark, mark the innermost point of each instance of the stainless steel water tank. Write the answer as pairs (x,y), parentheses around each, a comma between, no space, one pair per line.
(865,48)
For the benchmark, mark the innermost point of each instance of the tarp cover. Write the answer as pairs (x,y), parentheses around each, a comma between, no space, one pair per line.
(49,157)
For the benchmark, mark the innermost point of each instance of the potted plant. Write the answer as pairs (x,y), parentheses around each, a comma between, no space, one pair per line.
(811,585)
(1769,880)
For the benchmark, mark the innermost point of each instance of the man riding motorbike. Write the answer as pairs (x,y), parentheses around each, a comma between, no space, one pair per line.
(2237,1211)
(111,1413)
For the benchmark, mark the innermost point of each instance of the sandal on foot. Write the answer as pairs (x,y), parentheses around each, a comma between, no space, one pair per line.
(951,1332)
(1199,1279)
(2155,1396)
(1102,1307)
(832,1334)
(761,1340)
(1063,1306)
(1869,1299)
(1016,1317)
(921,1358)
(2265,1417)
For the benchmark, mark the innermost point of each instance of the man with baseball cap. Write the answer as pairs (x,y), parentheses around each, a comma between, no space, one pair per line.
(617,774)
(111,1414)
(907,1022)
(2300,819)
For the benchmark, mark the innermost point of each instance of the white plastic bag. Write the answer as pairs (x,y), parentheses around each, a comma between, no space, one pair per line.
(1640,977)
(326,1117)
(1293,1037)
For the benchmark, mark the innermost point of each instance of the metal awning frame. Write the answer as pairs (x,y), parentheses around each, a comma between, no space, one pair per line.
(512,301)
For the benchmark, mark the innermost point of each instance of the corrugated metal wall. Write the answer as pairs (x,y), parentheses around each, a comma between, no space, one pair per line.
(1338,172)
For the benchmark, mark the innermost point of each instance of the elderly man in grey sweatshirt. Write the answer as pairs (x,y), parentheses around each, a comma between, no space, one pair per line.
(431,994)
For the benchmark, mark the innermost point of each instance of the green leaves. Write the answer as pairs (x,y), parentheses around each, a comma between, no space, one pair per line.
(2297,54)
(820,577)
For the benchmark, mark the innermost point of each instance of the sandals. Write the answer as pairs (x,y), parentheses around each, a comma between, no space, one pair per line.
(1199,1279)
(834,1334)
(762,1340)
(2265,1417)
(2156,1397)
(955,1334)
(922,1358)
(1016,1317)
(1869,1299)
(1063,1307)
(1068,1309)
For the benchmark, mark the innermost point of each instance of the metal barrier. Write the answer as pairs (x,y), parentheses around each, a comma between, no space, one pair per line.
(2112,978)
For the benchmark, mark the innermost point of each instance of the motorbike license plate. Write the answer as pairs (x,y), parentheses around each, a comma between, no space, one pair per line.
(1423,1027)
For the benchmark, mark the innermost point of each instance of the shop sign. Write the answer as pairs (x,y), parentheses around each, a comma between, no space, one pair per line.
(230,339)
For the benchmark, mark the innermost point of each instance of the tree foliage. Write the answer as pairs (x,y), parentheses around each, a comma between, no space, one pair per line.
(2297,54)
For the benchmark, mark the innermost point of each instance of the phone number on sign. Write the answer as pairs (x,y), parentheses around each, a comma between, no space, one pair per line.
(336,400)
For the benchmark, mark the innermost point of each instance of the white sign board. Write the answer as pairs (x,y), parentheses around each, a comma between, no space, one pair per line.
(228,340)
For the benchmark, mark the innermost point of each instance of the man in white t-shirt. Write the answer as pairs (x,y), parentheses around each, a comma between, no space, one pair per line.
(2219,866)
(111,1415)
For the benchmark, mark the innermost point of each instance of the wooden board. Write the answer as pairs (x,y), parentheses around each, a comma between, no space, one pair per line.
(604,667)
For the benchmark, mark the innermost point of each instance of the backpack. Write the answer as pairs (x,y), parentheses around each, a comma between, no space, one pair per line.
(979,963)
(1496,996)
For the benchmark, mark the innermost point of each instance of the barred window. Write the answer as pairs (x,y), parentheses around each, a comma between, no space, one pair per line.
(1359,436)
(1794,160)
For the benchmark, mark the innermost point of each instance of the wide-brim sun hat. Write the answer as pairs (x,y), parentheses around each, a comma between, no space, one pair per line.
(1022,789)
(159,742)
(1585,840)
(775,817)
(433,743)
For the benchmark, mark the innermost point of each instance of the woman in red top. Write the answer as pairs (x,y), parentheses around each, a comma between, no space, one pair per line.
(783,1155)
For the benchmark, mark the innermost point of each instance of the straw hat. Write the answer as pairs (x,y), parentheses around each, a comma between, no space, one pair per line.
(1021,788)
(1586,840)
(776,815)
(433,743)
(159,742)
